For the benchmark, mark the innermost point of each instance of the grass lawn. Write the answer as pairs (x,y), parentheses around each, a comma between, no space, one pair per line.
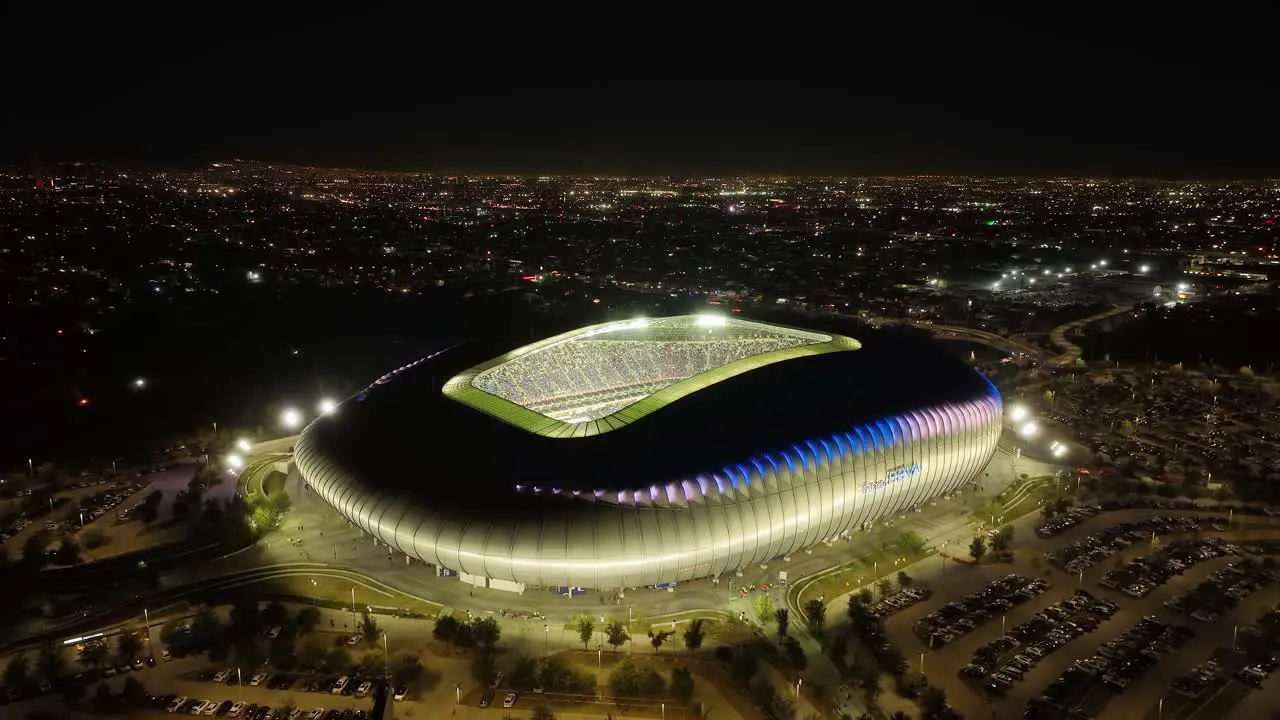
(338,591)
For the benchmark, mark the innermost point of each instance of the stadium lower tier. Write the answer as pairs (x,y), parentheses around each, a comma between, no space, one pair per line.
(706,524)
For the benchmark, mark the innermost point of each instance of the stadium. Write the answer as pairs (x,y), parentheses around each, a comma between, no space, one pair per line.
(646,452)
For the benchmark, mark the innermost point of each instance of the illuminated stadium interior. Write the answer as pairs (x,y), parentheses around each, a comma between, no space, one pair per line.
(599,378)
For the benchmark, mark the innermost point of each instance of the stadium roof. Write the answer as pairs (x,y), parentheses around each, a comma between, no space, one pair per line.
(405,435)
(466,389)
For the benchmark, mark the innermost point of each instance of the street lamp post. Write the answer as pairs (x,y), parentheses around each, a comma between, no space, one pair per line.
(146,621)
(921,664)
(546,639)
(386,657)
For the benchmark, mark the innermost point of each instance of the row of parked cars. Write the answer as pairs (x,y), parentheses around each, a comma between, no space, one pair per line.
(963,616)
(1031,641)
(357,683)
(1089,551)
(901,600)
(1141,575)
(1115,665)
(1062,522)
(250,711)
(1222,590)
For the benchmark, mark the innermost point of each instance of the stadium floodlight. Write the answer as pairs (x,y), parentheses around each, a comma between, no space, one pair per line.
(1059,450)
(1018,413)
(290,418)
(235,462)
(709,320)
(1029,429)
(243,445)
(327,406)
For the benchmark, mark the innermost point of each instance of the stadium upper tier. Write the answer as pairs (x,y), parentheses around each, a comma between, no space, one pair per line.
(599,378)
(762,441)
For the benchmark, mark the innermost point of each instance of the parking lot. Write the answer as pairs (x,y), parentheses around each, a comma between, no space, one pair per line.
(1034,639)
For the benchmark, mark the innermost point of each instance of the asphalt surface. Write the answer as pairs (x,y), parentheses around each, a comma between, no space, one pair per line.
(957,580)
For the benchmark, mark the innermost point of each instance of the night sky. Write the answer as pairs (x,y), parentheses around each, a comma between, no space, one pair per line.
(1063,88)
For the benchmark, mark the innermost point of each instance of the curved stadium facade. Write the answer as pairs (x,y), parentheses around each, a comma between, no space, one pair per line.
(649,451)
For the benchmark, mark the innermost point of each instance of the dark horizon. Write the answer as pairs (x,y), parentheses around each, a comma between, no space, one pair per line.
(932,91)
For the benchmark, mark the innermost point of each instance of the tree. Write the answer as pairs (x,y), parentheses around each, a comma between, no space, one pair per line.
(629,680)
(50,663)
(556,675)
(93,538)
(482,668)
(405,669)
(33,555)
(485,631)
(744,666)
(884,586)
(904,580)
(93,654)
(783,617)
(524,674)
(337,659)
(247,653)
(815,616)
(868,680)
(310,654)
(281,652)
(694,634)
(446,629)
(1003,539)
(68,552)
(275,615)
(368,627)
(933,701)
(134,693)
(246,619)
(794,654)
(616,634)
(212,511)
(463,637)
(657,638)
(72,692)
(308,619)
(682,685)
(128,645)
(764,608)
(205,626)
(103,699)
(542,712)
(977,549)
(585,629)
(17,672)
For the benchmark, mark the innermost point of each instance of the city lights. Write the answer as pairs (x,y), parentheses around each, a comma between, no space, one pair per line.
(1029,429)
(1017,413)
(290,419)
(327,406)
(139,383)
(243,445)
(235,462)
